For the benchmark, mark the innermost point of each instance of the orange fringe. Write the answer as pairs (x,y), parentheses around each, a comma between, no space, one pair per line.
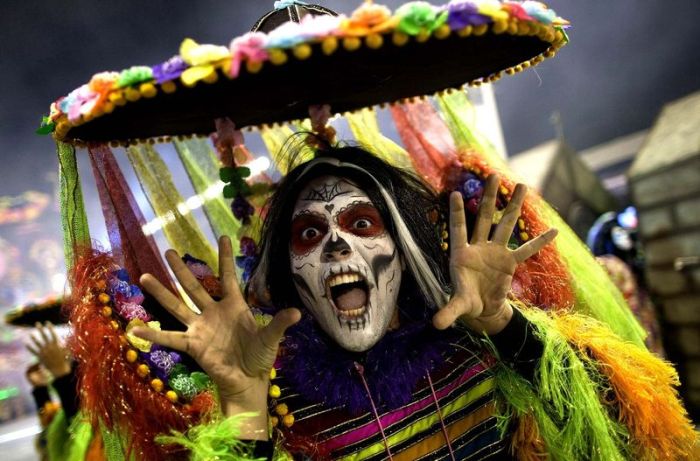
(526,443)
(643,390)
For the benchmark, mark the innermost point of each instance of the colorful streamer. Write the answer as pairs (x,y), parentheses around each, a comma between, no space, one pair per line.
(365,128)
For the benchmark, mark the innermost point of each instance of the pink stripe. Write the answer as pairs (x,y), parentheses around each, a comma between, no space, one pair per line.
(388,419)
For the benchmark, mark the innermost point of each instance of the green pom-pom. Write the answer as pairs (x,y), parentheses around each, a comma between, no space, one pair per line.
(201,380)
(134,75)
(178,370)
(184,386)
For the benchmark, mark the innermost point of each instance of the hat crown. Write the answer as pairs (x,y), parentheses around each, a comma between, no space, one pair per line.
(286,11)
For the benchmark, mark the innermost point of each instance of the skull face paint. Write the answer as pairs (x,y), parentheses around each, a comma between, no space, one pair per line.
(345,265)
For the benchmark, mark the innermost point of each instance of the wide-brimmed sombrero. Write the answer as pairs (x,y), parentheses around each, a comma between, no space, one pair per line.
(306,56)
(47,310)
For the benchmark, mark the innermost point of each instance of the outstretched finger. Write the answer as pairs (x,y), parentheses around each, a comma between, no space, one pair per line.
(273,333)
(533,246)
(456,307)
(189,282)
(42,331)
(52,332)
(38,344)
(487,207)
(227,272)
(167,299)
(31,349)
(510,216)
(174,339)
(458,222)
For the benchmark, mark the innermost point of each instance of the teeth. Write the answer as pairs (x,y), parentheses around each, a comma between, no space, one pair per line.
(354,312)
(340,279)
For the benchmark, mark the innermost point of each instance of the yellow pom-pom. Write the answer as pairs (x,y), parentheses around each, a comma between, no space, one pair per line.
(274,391)
(132,94)
(148,90)
(513,28)
(523,28)
(253,67)
(329,45)
(114,324)
(107,107)
(117,98)
(399,38)
(273,373)
(442,32)
(423,36)
(510,71)
(499,27)
(374,41)
(278,57)
(104,298)
(351,43)
(302,51)
(212,77)
(168,87)
(274,420)
(143,370)
(288,420)
(504,190)
(465,31)
(157,384)
(480,29)
(518,68)
(444,246)
(521,224)
(524,236)
(106,311)
(172,396)
(281,409)
(131,356)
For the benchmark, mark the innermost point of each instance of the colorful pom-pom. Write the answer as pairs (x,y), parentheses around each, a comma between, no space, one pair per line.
(329,45)
(104,298)
(131,356)
(143,370)
(172,396)
(157,384)
(465,31)
(274,421)
(442,32)
(480,29)
(275,391)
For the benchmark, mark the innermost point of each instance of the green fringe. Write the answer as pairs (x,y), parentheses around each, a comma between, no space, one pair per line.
(68,442)
(565,400)
(73,217)
(217,440)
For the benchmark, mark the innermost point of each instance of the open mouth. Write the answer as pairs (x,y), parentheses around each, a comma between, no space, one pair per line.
(348,293)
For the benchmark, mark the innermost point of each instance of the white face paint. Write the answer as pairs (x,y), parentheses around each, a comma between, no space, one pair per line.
(345,264)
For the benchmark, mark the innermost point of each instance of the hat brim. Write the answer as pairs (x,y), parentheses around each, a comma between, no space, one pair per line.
(346,80)
(29,314)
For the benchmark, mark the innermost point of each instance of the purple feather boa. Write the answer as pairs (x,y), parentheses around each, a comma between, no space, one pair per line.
(321,371)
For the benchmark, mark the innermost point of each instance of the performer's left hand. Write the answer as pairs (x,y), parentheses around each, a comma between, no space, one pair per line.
(482,269)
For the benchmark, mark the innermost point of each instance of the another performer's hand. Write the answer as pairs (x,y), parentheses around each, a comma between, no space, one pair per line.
(49,350)
(224,339)
(482,269)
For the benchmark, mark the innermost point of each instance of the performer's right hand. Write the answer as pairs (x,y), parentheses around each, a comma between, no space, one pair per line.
(224,339)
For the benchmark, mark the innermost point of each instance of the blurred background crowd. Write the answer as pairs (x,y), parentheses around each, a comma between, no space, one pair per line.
(608,133)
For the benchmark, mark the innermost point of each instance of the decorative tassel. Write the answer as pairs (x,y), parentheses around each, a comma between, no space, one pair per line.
(365,128)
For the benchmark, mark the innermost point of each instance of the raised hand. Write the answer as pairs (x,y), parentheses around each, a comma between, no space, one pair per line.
(224,339)
(482,269)
(48,349)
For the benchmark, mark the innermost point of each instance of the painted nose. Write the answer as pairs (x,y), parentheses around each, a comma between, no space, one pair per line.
(336,250)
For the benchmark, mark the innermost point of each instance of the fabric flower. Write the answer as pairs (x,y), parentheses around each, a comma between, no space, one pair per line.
(461,14)
(248,247)
(493,9)
(321,26)
(472,188)
(79,102)
(416,17)
(162,362)
(286,36)
(517,11)
(201,59)
(134,75)
(369,19)
(184,386)
(139,343)
(131,311)
(539,11)
(169,70)
(247,263)
(241,208)
(248,47)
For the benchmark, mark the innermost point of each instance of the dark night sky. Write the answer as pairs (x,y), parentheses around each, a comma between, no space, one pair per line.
(626,59)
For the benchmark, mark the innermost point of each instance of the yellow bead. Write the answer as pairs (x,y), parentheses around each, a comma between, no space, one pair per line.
(148,90)
(172,396)
(106,311)
(510,71)
(143,370)
(499,27)
(521,224)
(132,94)
(104,298)
(274,391)
(117,98)
(329,45)
(288,420)
(273,373)
(274,420)
(278,57)
(523,28)
(168,87)
(444,246)
(114,324)
(131,356)
(423,36)
(281,409)
(253,67)
(399,38)
(302,51)
(351,43)
(512,28)
(504,190)
(481,29)
(465,31)
(157,384)
(444,234)
(212,77)
(442,32)
(107,107)
(524,236)
(374,41)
